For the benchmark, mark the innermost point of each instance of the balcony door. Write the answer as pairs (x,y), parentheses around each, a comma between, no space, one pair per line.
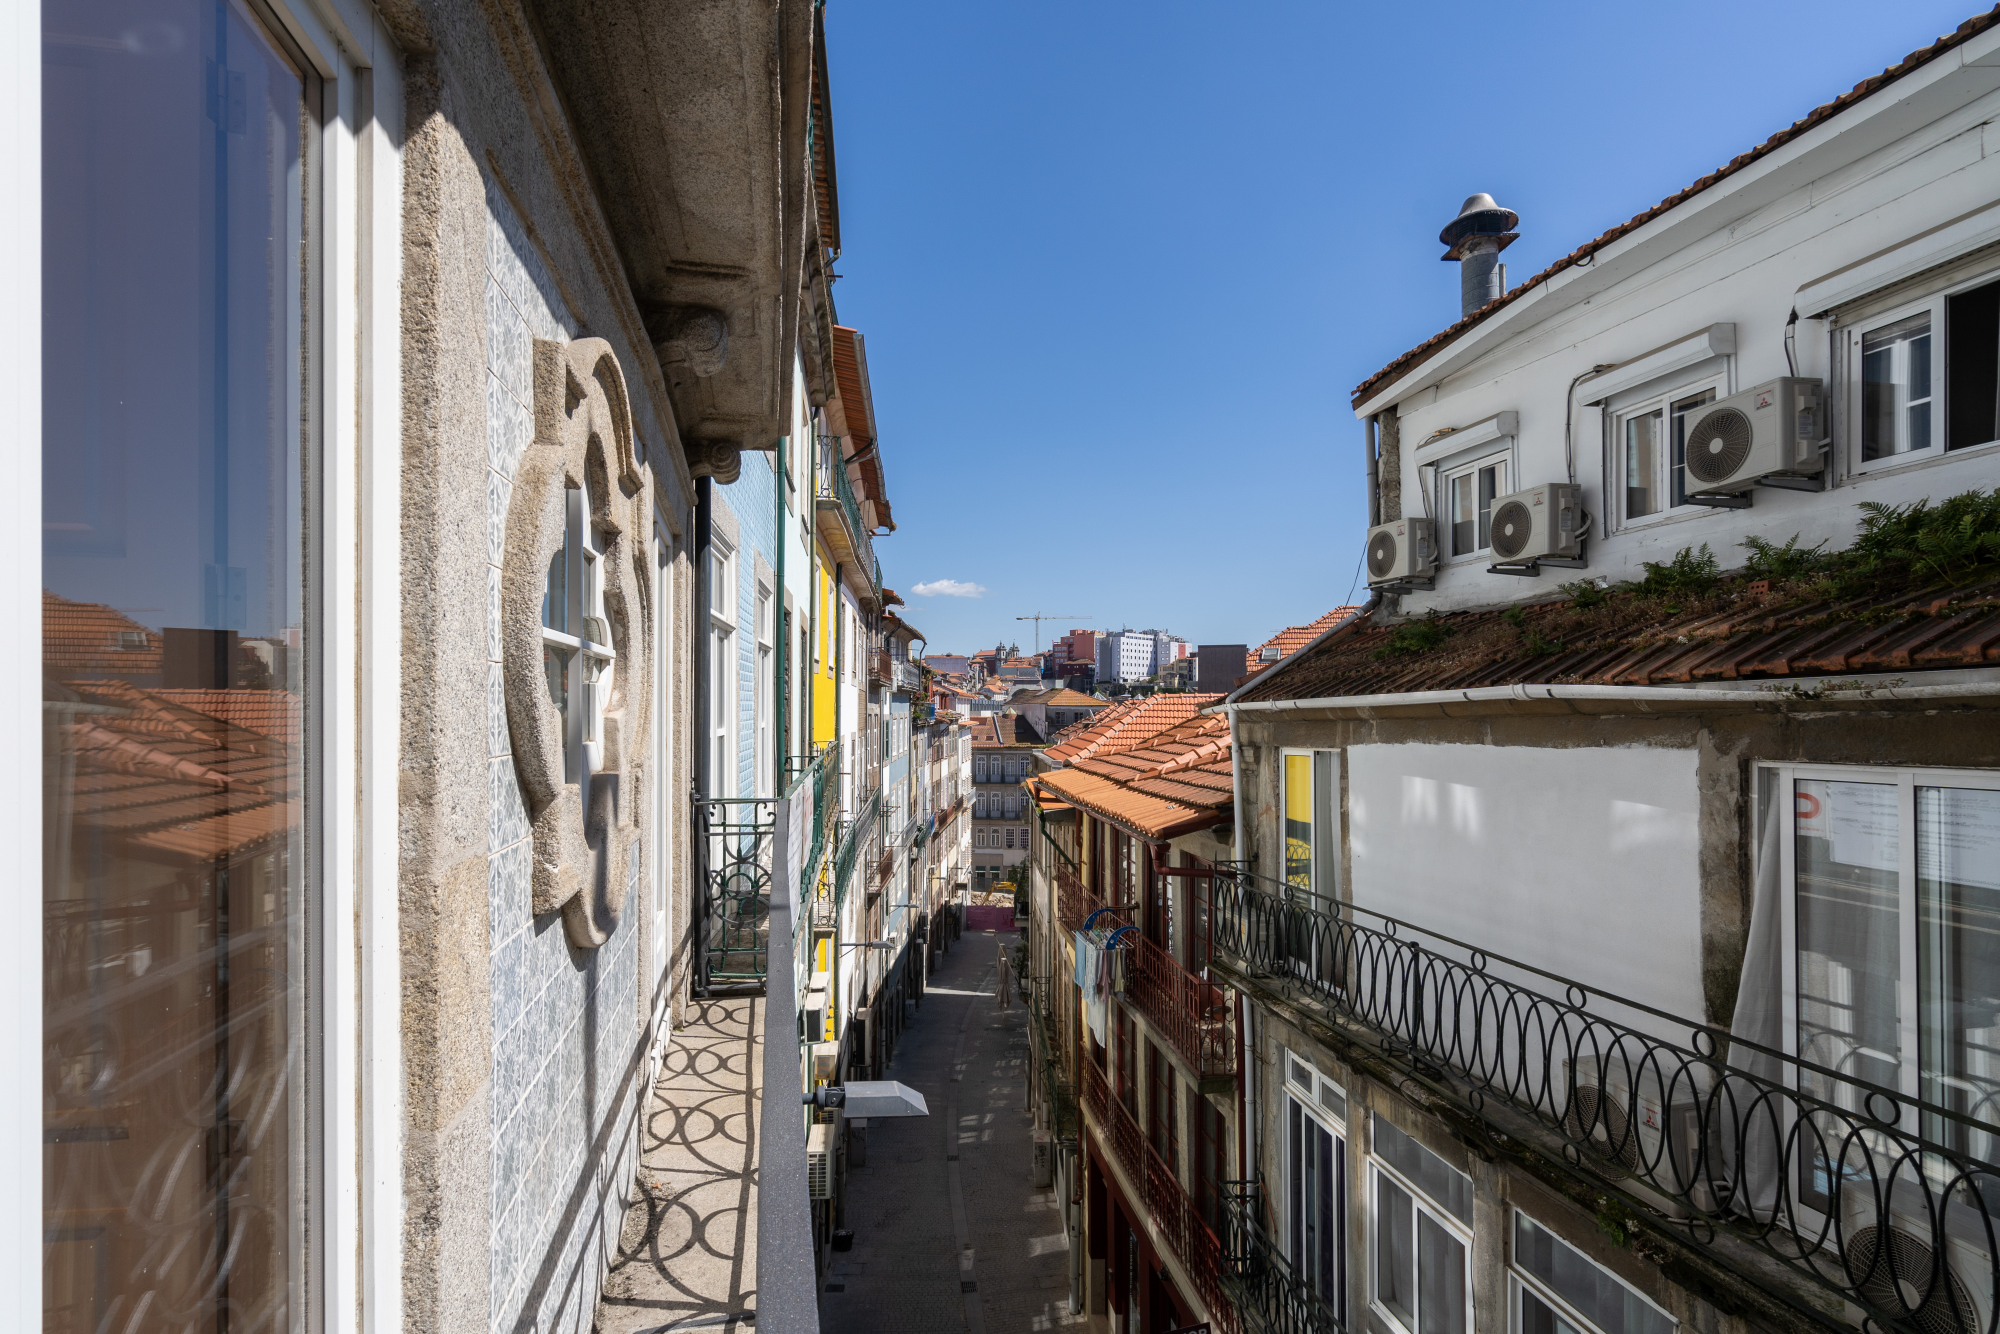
(1315,1184)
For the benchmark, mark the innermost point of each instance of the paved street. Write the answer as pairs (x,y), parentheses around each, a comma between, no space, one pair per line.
(949,1231)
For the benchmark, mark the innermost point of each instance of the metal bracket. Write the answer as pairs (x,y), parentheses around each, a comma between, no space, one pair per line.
(1401,586)
(1530,569)
(1789,482)
(1721,500)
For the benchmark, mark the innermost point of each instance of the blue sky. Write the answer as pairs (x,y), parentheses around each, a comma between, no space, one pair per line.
(1120,265)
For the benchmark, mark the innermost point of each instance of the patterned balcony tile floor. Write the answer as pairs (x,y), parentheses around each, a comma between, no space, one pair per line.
(905,1273)
(687,1259)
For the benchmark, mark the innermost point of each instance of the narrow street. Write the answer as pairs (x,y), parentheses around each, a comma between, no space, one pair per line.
(949,1230)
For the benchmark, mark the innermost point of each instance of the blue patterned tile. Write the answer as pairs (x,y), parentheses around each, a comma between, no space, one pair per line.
(493,614)
(509,353)
(498,492)
(507,818)
(496,711)
(508,898)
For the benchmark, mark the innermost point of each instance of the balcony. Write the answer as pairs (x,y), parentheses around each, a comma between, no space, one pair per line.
(1269,1296)
(1193,1015)
(1152,1185)
(1759,1164)
(880,669)
(839,521)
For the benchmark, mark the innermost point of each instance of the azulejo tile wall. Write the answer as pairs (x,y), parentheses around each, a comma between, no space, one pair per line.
(565,1038)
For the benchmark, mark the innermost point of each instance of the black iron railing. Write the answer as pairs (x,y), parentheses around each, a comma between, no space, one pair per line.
(1855,1187)
(1270,1296)
(1052,1062)
(733,842)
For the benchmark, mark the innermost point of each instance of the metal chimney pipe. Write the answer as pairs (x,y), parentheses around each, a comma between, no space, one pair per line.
(1475,239)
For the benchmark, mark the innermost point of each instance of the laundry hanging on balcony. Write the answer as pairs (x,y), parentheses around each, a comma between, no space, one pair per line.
(1100,972)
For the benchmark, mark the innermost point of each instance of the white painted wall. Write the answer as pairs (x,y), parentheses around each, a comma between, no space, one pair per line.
(1881,179)
(1539,854)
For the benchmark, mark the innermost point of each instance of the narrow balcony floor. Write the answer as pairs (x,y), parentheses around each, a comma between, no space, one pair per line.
(687,1258)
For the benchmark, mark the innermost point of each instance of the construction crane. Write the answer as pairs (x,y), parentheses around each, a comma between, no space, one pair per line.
(1040,617)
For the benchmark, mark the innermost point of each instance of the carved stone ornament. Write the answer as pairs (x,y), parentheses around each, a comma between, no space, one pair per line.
(720,459)
(581,776)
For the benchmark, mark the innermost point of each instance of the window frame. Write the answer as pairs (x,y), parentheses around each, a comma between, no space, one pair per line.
(1907,780)
(1854,328)
(1520,1279)
(1502,458)
(1308,1096)
(1662,401)
(1323,857)
(720,727)
(1379,1168)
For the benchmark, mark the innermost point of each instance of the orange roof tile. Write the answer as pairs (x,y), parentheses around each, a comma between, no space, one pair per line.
(1178,781)
(90,637)
(1295,637)
(1125,726)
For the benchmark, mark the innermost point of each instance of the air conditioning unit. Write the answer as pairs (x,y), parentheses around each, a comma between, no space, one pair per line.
(1541,523)
(1636,1131)
(825,1061)
(1771,430)
(1045,1160)
(819,1161)
(1401,552)
(1897,1271)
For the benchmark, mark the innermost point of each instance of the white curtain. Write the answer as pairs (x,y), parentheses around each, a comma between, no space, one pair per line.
(1750,1121)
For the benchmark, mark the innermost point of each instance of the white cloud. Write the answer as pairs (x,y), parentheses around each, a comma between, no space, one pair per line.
(949,588)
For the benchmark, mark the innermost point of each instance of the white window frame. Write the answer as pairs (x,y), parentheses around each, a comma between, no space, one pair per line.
(1380,1169)
(1857,334)
(1501,458)
(1620,413)
(763,685)
(663,752)
(1519,1279)
(589,660)
(1907,780)
(719,728)
(1309,1093)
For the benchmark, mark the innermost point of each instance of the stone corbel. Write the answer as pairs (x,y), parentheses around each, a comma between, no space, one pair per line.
(585,831)
(720,459)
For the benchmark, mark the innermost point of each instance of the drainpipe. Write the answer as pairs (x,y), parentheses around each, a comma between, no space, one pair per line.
(702,512)
(1370,449)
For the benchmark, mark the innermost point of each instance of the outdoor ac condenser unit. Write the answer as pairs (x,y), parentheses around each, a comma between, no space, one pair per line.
(825,1061)
(1637,1130)
(819,1160)
(1045,1160)
(1540,523)
(1771,430)
(1401,552)
(1898,1271)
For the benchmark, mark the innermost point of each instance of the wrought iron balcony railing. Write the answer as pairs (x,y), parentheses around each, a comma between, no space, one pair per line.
(1192,1014)
(1160,1194)
(1270,1296)
(832,485)
(1860,1189)
(1052,1061)
(733,844)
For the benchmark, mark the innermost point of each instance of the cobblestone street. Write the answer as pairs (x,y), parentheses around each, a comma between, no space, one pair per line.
(949,1230)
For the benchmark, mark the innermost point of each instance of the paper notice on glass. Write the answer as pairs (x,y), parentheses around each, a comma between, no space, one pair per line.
(1958,836)
(1862,824)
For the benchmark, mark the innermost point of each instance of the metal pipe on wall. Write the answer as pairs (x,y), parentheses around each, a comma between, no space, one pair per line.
(1371,449)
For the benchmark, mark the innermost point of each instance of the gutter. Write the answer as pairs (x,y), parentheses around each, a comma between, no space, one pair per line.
(1782,692)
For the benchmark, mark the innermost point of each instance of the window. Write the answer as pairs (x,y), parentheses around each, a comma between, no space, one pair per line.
(762,687)
(1312,835)
(180,526)
(1422,1236)
(1557,1290)
(1315,1187)
(577,657)
(722,669)
(1883,869)
(978,768)
(1468,494)
(1899,374)
(1010,838)
(1651,450)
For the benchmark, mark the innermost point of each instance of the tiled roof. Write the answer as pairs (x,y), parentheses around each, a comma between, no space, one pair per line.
(1295,637)
(1742,630)
(90,637)
(1125,726)
(1177,781)
(1916,60)
(1062,697)
(850,374)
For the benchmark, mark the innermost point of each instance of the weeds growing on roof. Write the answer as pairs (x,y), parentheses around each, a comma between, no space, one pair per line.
(1692,572)
(1777,563)
(1413,637)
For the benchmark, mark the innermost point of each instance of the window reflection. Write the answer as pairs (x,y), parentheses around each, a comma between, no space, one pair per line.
(174,661)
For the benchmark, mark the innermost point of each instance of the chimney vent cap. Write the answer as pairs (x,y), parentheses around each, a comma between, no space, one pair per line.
(1479,216)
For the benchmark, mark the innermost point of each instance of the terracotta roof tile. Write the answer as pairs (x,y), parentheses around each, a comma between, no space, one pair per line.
(1295,637)
(1126,726)
(1179,780)
(1732,633)
(1916,60)
(89,637)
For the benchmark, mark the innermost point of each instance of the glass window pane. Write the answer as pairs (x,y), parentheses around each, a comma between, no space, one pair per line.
(1601,1298)
(1896,388)
(1683,410)
(1443,1183)
(1489,487)
(1463,508)
(1849,934)
(1958,960)
(1538,1317)
(1298,821)
(1440,1279)
(174,646)
(1642,461)
(1395,1251)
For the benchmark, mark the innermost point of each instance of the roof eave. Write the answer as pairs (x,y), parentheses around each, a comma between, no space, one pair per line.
(1282,665)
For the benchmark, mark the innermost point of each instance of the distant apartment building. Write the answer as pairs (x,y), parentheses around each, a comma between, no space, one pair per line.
(1134,655)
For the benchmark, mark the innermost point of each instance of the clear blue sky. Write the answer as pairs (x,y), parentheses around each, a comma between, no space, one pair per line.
(1119,266)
